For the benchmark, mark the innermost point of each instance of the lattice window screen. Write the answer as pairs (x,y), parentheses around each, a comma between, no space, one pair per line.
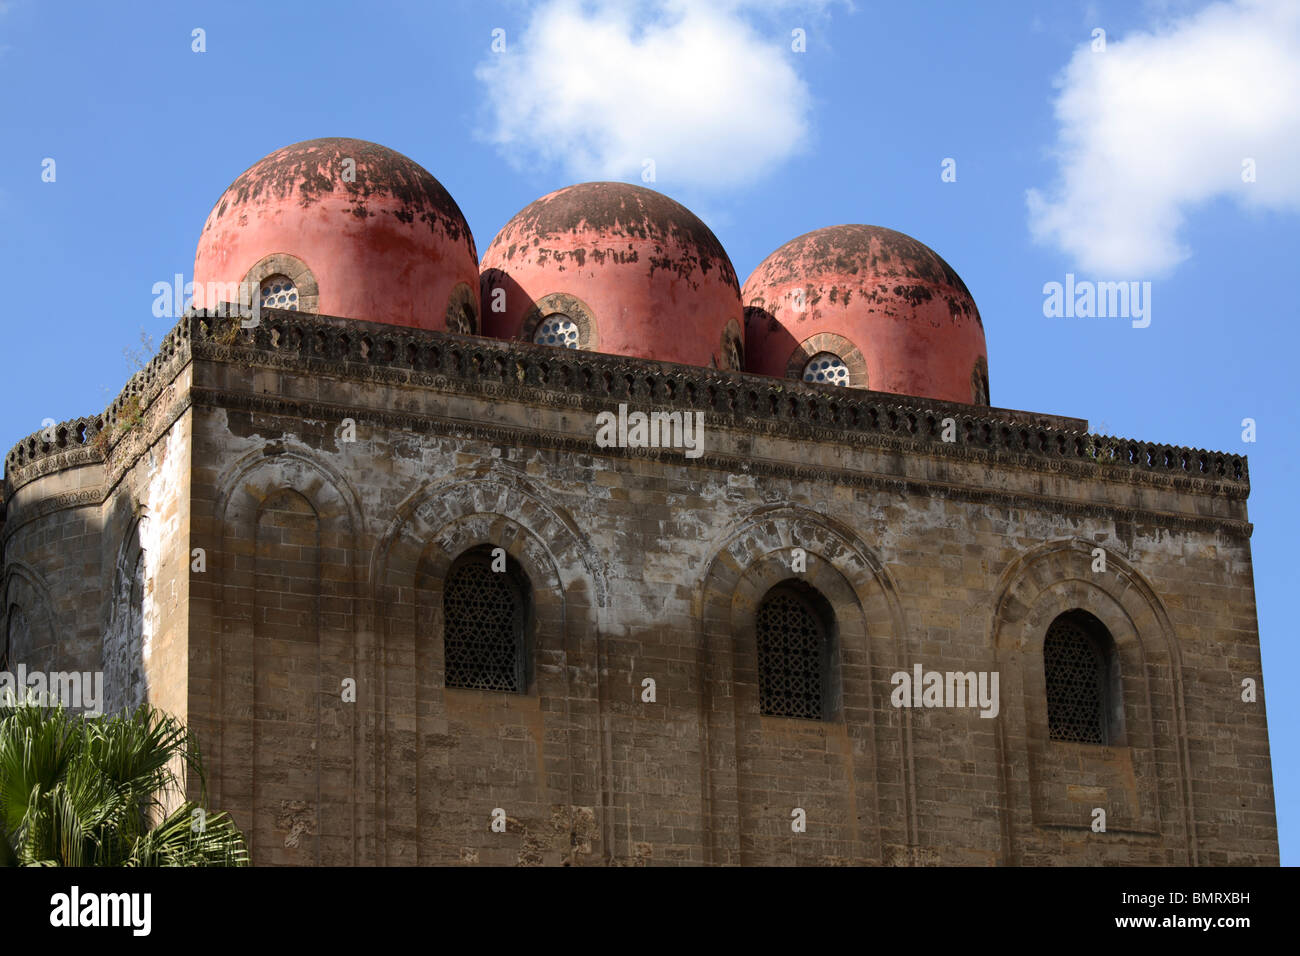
(1075,667)
(483,614)
(557,330)
(826,368)
(279,292)
(791,657)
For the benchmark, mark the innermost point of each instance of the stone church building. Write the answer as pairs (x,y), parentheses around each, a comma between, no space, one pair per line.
(373,546)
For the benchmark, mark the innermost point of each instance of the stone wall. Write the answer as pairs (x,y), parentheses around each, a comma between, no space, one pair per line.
(336,472)
(651,566)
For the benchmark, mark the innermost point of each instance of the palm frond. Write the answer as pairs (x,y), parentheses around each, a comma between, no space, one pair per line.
(86,791)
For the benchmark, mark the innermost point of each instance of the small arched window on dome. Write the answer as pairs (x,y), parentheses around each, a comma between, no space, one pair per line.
(735,355)
(733,349)
(1081,672)
(559,330)
(795,628)
(560,320)
(979,382)
(279,292)
(462,310)
(826,368)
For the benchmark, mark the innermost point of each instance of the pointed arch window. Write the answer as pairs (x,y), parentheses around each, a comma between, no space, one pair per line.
(1081,671)
(795,629)
(485,620)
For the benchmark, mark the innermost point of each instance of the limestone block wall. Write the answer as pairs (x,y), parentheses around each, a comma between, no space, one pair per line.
(95,528)
(143,619)
(51,572)
(335,488)
(264,550)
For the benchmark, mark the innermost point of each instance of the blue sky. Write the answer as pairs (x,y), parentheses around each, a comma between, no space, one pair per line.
(1122,164)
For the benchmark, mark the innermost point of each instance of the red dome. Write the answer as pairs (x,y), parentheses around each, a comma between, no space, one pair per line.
(614,268)
(353,229)
(896,315)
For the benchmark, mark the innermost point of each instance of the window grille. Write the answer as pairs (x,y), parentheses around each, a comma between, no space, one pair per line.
(279,292)
(483,614)
(735,355)
(793,654)
(461,321)
(979,383)
(1076,669)
(557,330)
(826,368)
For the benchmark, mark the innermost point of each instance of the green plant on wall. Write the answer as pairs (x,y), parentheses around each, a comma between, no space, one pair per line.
(93,791)
(131,415)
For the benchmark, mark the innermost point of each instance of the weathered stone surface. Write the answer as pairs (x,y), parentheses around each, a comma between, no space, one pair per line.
(323,563)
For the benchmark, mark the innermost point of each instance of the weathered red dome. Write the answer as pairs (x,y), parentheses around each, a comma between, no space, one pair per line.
(614,268)
(344,227)
(895,315)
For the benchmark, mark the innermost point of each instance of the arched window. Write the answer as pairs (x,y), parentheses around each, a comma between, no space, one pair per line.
(557,329)
(485,618)
(279,292)
(284,282)
(733,350)
(560,320)
(795,629)
(462,310)
(979,382)
(1081,671)
(734,355)
(826,368)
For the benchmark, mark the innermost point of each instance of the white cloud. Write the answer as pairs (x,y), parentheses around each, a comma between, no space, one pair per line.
(1162,121)
(598,88)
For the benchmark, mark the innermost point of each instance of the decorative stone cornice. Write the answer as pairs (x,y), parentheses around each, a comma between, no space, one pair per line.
(91,439)
(415,423)
(520,371)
